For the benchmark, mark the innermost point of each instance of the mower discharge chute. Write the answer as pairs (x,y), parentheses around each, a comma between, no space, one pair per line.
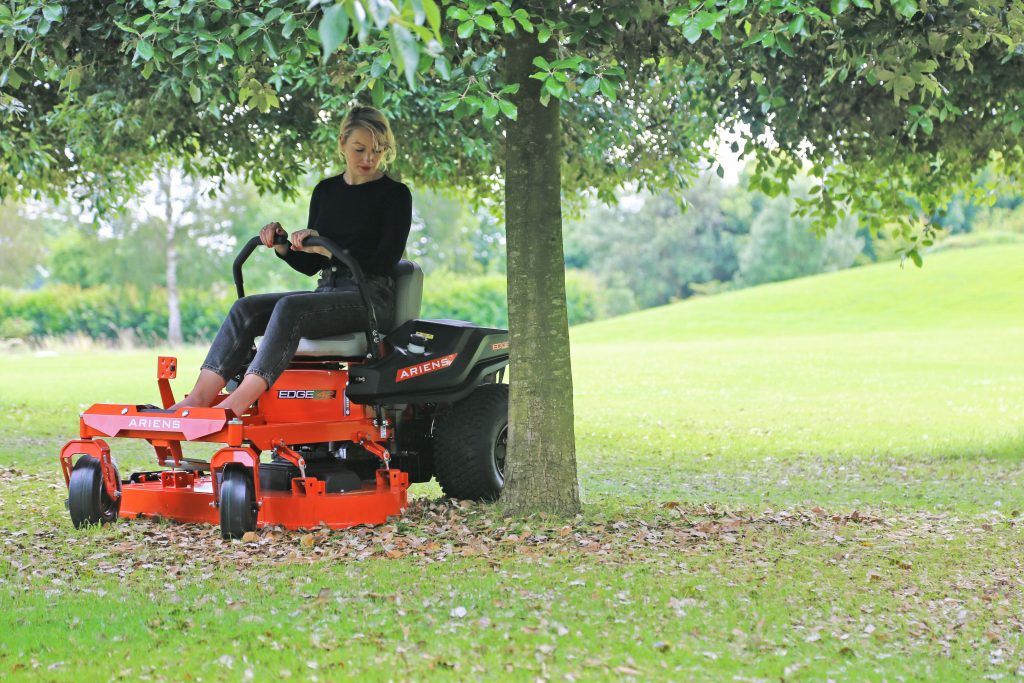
(352,421)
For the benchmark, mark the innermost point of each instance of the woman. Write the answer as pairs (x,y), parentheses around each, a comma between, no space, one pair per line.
(361,210)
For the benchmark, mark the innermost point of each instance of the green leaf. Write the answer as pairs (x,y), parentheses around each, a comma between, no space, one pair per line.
(908,8)
(144,50)
(268,45)
(433,13)
(608,89)
(74,78)
(52,13)
(679,16)
(554,87)
(194,93)
(926,125)
(485,22)
(491,109)
(224,4)
(225,51)
(246,34)
(380,65)
(333,29)
(797,25)
(541,63)
(377,93)
(590,86)
(443,68)
(839,6)
(410,52)
(508,25)
(543,34)
(465,29)
(915,257)
(692,32)
(783,42)
(523,18)
(508,109)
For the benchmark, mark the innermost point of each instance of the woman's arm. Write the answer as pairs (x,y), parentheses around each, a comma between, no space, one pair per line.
(307,262)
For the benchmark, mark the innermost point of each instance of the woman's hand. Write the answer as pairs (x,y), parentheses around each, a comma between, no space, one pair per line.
(267,234)
(299,236)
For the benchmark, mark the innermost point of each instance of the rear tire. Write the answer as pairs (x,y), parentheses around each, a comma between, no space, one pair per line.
(470,443)
(88,500)
(237,502)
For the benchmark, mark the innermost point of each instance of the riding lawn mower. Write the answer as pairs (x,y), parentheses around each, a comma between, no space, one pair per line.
(336,441)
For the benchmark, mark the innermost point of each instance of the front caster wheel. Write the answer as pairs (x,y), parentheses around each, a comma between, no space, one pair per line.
(88,500)
(237,503)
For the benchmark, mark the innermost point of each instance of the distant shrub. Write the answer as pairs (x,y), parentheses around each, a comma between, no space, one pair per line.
(15,328)
(483,299)
(110,314)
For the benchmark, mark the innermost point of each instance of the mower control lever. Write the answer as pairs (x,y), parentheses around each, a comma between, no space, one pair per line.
(373,336)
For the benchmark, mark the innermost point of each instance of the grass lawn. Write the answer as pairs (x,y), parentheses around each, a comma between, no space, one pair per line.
(813,480)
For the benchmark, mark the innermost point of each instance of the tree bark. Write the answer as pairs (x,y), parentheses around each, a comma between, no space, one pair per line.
(174,337)
(540,470)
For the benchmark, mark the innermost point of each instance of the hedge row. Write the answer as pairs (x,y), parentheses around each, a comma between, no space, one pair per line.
(107,314)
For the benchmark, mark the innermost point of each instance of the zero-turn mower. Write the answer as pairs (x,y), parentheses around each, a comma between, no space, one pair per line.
(337,439)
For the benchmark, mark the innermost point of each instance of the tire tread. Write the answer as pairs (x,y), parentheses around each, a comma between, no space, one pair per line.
(464,441)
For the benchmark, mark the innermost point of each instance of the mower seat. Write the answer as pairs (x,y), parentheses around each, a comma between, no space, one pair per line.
(408,296)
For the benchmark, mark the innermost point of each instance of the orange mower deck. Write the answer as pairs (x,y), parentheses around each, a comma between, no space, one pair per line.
(188,492)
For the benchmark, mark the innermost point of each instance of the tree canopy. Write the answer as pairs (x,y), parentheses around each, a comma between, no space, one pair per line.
(881,99)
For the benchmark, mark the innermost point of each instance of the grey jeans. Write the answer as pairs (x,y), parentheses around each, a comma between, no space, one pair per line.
(285,317)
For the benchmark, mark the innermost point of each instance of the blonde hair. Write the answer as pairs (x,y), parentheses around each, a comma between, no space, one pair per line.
(372,120)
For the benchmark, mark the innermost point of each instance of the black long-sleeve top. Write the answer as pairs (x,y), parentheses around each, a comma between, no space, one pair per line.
(371,220)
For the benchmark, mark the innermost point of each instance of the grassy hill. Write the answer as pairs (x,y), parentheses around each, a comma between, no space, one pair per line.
(961,289)
(888,367)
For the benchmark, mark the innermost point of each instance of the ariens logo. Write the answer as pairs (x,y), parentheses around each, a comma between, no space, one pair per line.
(421,369)
(315,394)
(153,423)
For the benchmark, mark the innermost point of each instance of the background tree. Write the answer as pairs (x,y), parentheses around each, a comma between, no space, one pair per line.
(658,250)
(885,100)
(19,257)
(783,246)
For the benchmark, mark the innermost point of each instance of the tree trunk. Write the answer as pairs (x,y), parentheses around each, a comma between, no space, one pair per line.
(540,470)
(174,337)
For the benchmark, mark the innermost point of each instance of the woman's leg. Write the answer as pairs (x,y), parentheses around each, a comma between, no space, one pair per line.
(230,349)
(239,400)
(319,314)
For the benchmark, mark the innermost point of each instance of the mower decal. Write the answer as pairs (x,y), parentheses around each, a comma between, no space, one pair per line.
(424,368)
(314,394)
(500,346)
(112,425)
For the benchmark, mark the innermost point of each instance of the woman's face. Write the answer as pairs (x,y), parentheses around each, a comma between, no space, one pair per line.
(362,156)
